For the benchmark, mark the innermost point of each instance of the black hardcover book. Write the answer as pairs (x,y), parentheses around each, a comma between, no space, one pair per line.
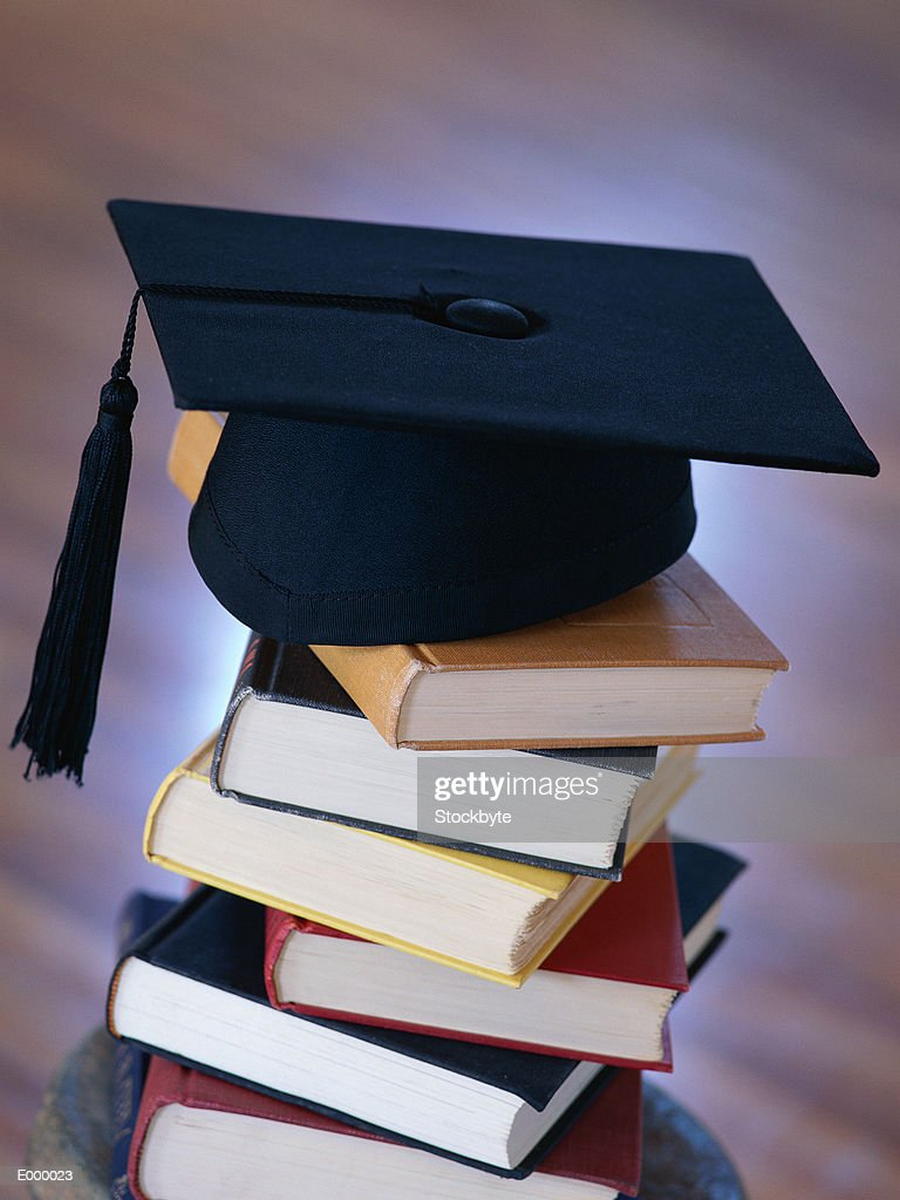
(192,990)
(280,748)
(704,874)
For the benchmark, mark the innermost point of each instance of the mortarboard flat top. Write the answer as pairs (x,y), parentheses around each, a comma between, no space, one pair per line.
(672,351)
(432,435)
(451,469)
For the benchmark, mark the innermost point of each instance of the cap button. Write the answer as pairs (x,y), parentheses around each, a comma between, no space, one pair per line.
(488,317)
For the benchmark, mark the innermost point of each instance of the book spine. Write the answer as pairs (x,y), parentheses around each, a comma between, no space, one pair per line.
(164,1084)
(156,804)
(279,926)
(140,913)
(173,915)
(195,766)
(255,673)
(129,1065)
(378,678)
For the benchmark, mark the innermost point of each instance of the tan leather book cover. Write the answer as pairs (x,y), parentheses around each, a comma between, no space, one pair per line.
(682,618)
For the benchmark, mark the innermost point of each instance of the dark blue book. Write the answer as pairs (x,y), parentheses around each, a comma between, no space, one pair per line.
(140,913)
(704,874)
(192,990)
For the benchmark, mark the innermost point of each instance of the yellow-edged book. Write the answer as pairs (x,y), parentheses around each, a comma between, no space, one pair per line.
(492,917)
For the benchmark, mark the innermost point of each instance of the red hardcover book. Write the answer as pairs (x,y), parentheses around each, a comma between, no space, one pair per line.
(603,994)
(197,1137)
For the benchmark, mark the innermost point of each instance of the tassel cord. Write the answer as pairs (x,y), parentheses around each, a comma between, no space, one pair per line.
(59,714)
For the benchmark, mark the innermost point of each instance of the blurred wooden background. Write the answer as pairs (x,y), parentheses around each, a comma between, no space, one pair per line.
(766,127)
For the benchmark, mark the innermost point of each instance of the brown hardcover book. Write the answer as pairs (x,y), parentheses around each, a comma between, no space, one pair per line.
(672,661)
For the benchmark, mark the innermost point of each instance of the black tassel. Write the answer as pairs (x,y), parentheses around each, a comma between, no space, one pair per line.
(58,718)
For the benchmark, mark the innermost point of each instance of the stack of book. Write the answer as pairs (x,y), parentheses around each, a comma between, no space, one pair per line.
(398,974)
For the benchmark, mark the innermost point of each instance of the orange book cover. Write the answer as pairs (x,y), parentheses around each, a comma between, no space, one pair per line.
(680,619)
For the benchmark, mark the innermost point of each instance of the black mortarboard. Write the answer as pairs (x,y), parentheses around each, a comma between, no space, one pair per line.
(437,435)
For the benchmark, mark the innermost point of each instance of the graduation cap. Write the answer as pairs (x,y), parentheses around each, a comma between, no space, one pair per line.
(432,434)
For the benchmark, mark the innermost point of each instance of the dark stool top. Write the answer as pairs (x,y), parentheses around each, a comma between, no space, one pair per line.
(682,1161)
